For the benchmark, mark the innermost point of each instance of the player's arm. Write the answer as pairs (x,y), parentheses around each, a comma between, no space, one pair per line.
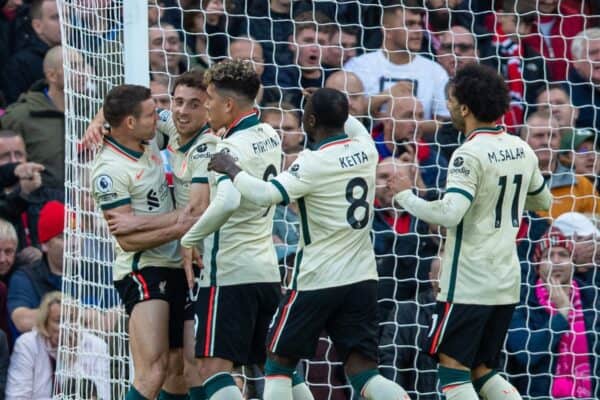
(450,210)
(538,194)
(171,228)
(223,205)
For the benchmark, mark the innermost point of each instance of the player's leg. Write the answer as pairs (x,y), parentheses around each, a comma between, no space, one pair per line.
(148,309)
(454,338)
(149,341)
(174,288)
(225,325)
(488,383)
(353,328)
(293,335)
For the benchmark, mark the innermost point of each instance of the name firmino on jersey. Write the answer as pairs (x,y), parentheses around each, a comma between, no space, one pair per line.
(265,145)
(353,160)
(506,155)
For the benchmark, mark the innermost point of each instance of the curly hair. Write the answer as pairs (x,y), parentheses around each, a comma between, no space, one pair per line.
(237,76)
(483,90)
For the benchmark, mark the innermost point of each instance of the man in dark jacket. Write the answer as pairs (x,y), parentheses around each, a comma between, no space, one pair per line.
(403,358)
(39,117)
(26,66)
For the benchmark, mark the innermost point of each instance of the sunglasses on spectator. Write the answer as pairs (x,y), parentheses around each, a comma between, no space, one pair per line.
(462,47)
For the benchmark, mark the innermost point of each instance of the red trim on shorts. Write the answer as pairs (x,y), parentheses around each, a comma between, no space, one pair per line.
(438,331)
(144,285)
(211,301)
(283,317)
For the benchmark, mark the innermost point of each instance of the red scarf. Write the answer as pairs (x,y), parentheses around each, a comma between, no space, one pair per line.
(512,54)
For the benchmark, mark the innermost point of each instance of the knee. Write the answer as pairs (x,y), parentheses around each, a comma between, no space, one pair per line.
(154,373)
(191,373)
(212,366)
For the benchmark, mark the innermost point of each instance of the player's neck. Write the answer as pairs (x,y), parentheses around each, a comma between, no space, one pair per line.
(471,125)
(239,112)
(185,138)
(125,139)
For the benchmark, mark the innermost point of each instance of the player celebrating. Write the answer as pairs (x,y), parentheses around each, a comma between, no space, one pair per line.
(129,181)
(334,285)
(492,177)
(240,262)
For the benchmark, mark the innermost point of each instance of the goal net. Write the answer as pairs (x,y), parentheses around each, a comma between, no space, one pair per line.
(105,46)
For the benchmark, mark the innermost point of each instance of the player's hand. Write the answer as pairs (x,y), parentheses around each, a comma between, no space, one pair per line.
(94,135)
(190,255)
(223,163)
(400,181)
(122,224)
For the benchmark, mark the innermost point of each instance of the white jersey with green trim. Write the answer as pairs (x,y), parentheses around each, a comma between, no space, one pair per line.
(334,187)
(242,250)
(495,171)
(190,161)
(122,176)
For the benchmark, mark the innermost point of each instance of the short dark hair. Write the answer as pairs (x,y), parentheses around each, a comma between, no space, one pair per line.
(279,108)
(7,134)
(482,89)
(35,10)
(391,6)
(313,20)
(237,76)
(553,86)
(330,108)
(193,79)
(122,101)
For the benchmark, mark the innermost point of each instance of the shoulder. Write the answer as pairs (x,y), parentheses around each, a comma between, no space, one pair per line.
(91,341)
(430,66)
(363,60)
(26,342)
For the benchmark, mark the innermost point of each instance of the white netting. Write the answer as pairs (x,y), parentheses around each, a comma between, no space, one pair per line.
(185,34)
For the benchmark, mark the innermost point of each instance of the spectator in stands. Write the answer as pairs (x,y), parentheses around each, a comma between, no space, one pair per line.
(349,83)
(270,23)
(32,372)
(26,66)
(457,48)
(166,51)
(396,62)
(403,247)
(552,32)
(8,14)
(398,135)
(305,71)
(8,250)
(570,192)
(553,331)
(24,193)
(555,100)
(405,332)
(39,117)
(584,78)
(286,121)
(159,87)
(579,152)
(30,283)
(342,46)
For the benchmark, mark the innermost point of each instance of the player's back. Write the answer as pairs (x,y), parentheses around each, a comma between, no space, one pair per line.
(497,171)
(335,213)
(242,251)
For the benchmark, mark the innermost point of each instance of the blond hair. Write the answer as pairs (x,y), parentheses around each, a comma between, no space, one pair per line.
(7,231)
(41,321)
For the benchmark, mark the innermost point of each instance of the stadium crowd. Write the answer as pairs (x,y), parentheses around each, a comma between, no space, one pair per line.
(393,63)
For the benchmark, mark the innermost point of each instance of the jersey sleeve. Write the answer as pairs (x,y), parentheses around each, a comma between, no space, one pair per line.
(110,188)
(198,163)
(296,181)
(463,174)
(165,127)
(228,148)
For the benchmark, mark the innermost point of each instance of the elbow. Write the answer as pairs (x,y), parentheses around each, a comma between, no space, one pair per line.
(232,205)
(451,221)
(125,245)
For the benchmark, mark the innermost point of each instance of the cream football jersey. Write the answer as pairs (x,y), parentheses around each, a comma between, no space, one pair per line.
(495,171)
(334,187)
(242,251)
(123,176)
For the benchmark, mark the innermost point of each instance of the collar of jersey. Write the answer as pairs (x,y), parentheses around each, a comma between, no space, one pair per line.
(486,130)
(189,144)
(124,151)
(244,121)
(331,141)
